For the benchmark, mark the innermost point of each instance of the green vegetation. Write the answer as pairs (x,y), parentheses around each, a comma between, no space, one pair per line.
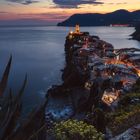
(136,87)
(129,99)
(76,130)
(127,114)
(122,120)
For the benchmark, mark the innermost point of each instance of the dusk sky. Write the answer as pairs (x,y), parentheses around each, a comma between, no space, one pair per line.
(54,11)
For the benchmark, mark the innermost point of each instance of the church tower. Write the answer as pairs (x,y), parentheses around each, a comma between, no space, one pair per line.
(77,29)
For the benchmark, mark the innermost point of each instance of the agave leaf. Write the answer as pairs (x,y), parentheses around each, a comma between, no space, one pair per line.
(21,90)
(4,80)
(8,100)
(10,125)
(12,117)
(6,116)
(7,108)
(37,114)
(10,97)
(32,124)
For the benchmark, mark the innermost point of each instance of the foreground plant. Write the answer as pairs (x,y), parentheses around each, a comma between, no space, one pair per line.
(76,130)
(10,113)
(126,115)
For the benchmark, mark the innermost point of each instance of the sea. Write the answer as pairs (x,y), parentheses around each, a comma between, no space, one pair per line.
(39,53)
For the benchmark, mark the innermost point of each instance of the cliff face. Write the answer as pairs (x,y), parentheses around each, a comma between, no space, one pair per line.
(136,34)
(96,19)
(97,87)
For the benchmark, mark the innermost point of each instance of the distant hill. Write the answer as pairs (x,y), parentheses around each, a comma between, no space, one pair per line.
(96,19)
(136,34)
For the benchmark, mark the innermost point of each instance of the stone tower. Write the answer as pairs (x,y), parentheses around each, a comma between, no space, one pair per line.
(77,29)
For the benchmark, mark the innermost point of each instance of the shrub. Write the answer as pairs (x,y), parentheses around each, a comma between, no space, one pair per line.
(136,86)
(76,130)
(124,118)
(129,99)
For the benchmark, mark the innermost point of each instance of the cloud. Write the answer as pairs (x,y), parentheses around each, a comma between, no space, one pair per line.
(3,12)
(74,3)
(25,2)
(53,17)
(119,3)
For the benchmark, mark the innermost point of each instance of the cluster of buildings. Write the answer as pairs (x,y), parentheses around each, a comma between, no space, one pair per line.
(96,57)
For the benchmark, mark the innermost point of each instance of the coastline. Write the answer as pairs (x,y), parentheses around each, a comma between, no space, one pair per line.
(74,98)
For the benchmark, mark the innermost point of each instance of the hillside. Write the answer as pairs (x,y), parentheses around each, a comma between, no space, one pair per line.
(96,19)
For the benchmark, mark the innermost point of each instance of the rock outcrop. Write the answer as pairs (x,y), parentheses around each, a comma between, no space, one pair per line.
(136,34)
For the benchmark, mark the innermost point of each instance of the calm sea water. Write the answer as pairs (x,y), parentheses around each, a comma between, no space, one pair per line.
(39,52)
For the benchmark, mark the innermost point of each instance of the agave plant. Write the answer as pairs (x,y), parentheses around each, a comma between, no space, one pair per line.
(10,113)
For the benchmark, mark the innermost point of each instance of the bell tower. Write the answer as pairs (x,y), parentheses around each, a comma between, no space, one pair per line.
(77,28)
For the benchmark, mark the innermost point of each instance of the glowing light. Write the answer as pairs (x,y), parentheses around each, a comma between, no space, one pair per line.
(138,71)
(71,32)
(128,64)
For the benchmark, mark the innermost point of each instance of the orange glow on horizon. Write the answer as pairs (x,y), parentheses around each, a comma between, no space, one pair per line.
(46,10)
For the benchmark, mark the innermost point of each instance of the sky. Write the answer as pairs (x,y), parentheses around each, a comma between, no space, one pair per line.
(53,11)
